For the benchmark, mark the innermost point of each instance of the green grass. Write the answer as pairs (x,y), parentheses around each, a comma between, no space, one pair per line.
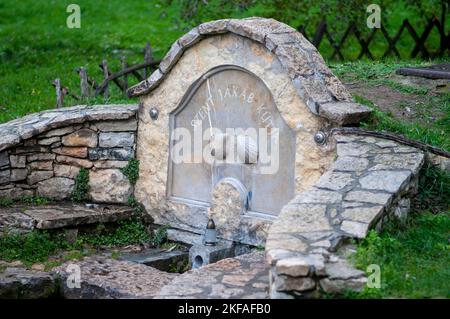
(25,200)
(413,258)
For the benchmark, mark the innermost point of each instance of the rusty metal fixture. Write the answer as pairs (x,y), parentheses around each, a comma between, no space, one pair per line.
(154,113)
(320,138)
(210,233)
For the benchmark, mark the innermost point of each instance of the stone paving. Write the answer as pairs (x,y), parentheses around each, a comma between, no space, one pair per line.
(242,277)
(370,182)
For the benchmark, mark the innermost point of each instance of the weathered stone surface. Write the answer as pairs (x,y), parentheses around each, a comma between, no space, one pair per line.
(110,164)
(15,222)
(368,197)
(339,286)
(21,283)
(5,176)
(37,176)
(284,241)
(117,126)
(190,38)
(41,157)
(175,52)
(363,214)
(342,270)
(115,154)
(57,188)
(83,137)
(213,27)
(294,267)
(238,277)
(112,279)
(4,161)
(49,141)
(74,161)
(315,195)
(390,181)
(411,161)
(109,186)
(18,174)
(59,132)
(69,215)
(80,152)
(294,284)
(343,113)
(15,193)
(41,165)
(355,229)
(116,140)
(334,180)
(66,171)
(18,161)
(350,164)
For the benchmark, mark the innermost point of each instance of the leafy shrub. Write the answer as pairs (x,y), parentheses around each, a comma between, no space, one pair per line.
(132,170)
(81,188)
(160,236)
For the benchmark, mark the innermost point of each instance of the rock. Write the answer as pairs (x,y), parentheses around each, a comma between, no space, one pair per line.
(38,176)
(350,164)
(300,284)
(110,164)
(119,154)
(59,132)
(80,152)
(294,267)
(116,140)
(15,222)
(334,180)
(117,126)
(16,193)
(300,218)
(340,286)
(4,161)
(49,141)
(284,241)
(368,197)
(109,186)
(66,171)
(26,284)
(41,165)
(366,215)
(74,161)
(57,188)
(40,267)
(19,174)
(213,27)
(342,270)
(41,157)
(83,137)
(343,113)
(190,38)
(5,176)
(390,181)
(315,195)
(355,229)
(104,278)
(18,161)
(175,52)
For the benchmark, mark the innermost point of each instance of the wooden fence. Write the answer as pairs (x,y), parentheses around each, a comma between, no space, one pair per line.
(90,88)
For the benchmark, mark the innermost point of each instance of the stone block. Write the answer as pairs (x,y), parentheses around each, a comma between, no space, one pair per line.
(66,171)
(41,165)
(74,161)
(117,126)
(79,152)
(41,157)
(109,186)
(57,188)
(111,140)
(38,176)
(19,174)
(4,160)
(83,137)
(18,161)
(5,176)
(115,154)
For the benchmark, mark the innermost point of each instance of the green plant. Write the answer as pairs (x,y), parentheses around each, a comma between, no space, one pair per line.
(33,200)
(81,187)
(5,202)
(132,170)
(138,207)
(434,188)
(413,258)
(160,236)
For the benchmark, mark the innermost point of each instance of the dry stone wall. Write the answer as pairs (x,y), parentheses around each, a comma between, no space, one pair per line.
(371,181)
(41,154)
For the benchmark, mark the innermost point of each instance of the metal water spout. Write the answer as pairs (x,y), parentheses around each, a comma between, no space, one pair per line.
(210,238)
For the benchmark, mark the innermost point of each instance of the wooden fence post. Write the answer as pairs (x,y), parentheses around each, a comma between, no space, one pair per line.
(84,84)
(106,75)
(59,94)
(123,62)
(148,57)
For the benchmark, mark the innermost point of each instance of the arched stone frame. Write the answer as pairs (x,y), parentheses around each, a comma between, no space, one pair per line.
(289,78)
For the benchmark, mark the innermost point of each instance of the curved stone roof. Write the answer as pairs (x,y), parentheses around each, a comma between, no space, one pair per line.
(16,131)
(313,80)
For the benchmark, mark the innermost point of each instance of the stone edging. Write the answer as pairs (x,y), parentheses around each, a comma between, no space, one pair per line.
(370,182)
(313,80)
(16,131)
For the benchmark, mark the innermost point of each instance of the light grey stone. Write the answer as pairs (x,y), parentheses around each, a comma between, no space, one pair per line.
(315,195)
(410,161)
(390,181)
(340,286)
(19,174)
(66,171)
(334,180)
(117,126)
(110,164)
(41,157)
(343,113)
(49,141)
(4,161)
(368,197)
(116,140)
(15,193)
(294,267)
(190,38)
(175,52)
(115,154)
(109,186)
(18,283)
(355,229)
(18,161)
(300,284)
(57,188)
(59,132)
(213,27)
(363,214)
(350,164)
(5,176)
(37,176)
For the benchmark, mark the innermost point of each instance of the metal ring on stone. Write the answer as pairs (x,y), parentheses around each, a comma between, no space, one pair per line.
(320,138)
(154,113)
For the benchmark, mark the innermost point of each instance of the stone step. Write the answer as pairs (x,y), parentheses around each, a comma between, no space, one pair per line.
(22,219)
(157,258)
